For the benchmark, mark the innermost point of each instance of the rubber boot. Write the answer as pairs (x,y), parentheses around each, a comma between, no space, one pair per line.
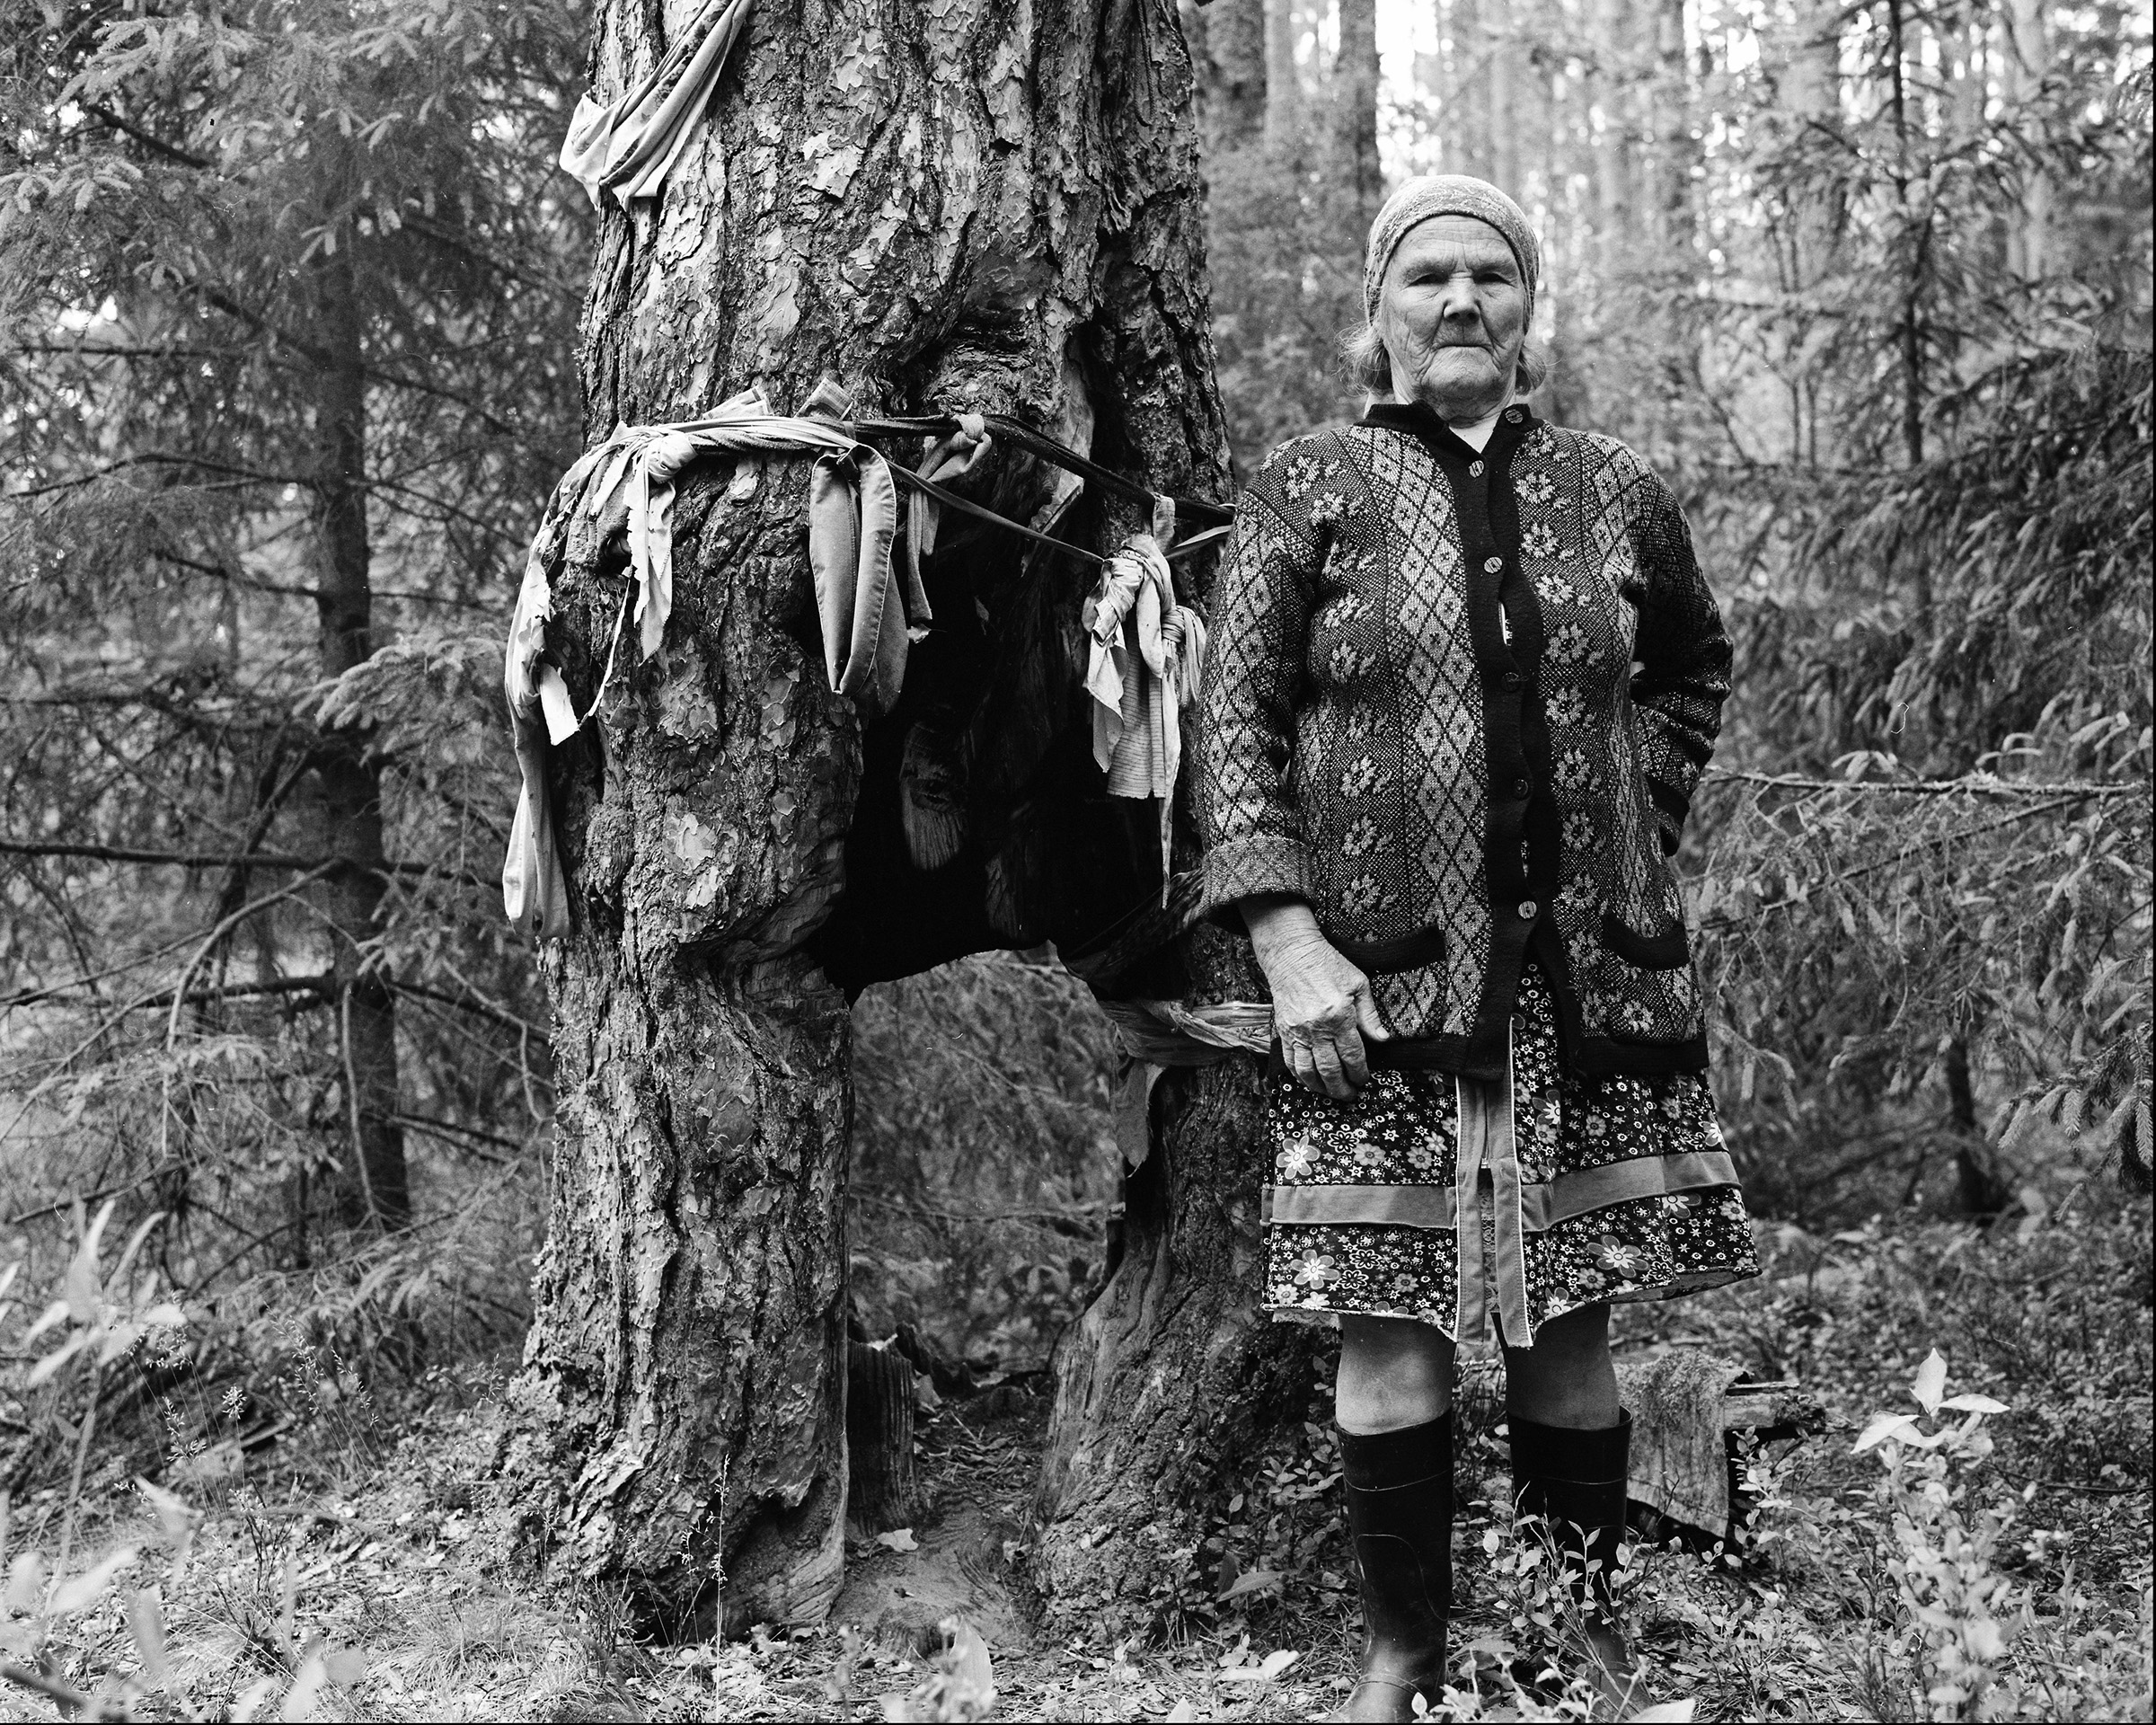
(1399,1510)
(1575,1481)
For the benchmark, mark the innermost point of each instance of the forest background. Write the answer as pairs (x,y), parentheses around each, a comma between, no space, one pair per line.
(288,315)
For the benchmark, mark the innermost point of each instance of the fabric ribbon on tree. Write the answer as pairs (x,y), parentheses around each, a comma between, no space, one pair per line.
(853,519)
(629,145)
(1141,668)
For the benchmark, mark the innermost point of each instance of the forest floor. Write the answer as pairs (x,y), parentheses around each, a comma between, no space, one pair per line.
(363,1580)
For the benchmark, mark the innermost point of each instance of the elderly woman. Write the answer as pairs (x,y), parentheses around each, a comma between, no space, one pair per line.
(1465,675)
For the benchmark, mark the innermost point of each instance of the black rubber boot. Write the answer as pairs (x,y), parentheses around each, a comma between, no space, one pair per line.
(1400,1510)
(1575,1481)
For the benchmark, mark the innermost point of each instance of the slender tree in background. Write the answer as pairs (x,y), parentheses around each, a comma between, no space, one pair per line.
(1284,103)
(1227,53)
(1354,83)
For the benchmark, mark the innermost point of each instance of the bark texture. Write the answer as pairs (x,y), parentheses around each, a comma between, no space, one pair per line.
(1171,1382)
(946,207)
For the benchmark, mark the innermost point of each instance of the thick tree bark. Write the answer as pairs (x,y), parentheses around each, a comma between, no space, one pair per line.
(1172,1379)
(368,1187)
(946,208)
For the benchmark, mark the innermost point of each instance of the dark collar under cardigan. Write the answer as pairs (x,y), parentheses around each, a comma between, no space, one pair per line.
(1458,702)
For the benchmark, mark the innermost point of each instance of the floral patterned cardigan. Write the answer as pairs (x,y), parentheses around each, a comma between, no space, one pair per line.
(1458,702)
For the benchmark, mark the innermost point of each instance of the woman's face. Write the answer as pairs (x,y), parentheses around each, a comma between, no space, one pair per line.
(1453,314)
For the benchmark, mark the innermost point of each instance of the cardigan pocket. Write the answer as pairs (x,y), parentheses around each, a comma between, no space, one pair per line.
(1415,951)
(1669,951)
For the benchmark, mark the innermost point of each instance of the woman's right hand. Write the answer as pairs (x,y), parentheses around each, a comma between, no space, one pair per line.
(1323,1006)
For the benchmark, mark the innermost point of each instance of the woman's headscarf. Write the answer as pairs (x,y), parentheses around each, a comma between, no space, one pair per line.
(1448,194)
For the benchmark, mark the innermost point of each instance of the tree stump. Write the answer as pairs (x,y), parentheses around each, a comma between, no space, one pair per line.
(880,1492)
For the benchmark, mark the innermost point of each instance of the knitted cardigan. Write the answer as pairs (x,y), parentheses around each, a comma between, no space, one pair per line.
(1458,703)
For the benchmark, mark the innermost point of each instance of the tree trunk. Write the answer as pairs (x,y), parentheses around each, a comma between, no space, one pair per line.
(1283,81)
(1464,121)
(1610,90)
(1227,44)
(369,1188)
(1678,152)
(1172,1379)
(947,208)
(1978,1189)
(2022,67)
(1356,80)
(879,1438)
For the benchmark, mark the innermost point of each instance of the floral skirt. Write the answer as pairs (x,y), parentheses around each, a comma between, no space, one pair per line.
(1575,1190)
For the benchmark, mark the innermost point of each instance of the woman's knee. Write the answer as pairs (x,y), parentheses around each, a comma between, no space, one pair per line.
(1567,1378)
(1393,1371)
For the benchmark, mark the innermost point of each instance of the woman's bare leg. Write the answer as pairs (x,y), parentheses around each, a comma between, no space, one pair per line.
(1394,1373)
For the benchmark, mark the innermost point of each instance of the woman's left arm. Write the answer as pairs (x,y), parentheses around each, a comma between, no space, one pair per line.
(1683,659)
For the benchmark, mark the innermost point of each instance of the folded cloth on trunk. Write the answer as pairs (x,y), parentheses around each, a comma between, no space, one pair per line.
(1157,1034)
(852,517)
(1141,668)
(629,145)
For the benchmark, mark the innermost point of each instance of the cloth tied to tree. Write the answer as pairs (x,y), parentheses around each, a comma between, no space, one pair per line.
(1157,1034)
(947,458)
(853,519)
(629,145)
(1143,666)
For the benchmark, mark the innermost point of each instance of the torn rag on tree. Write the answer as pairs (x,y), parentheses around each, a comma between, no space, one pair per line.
(852,517)
(1141,668)
(1157,1034)
(1146,648)
(629,145)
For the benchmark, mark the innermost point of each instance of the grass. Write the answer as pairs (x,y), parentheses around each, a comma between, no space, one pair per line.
(351,1567)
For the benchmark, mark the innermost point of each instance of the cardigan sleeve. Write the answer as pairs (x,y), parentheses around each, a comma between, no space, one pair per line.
(1247,819)
(1684,656)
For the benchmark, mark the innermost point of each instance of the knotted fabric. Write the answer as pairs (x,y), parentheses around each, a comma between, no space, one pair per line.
(629,145)
(1143,666)
(852,517)
(1157,1034)
(948,457)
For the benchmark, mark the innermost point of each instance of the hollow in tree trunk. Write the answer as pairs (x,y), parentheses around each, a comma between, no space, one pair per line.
(945,209)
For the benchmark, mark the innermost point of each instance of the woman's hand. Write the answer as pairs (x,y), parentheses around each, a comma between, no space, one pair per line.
(1322,1004)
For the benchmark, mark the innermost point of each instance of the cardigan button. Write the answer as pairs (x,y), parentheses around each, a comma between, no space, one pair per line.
(1521,787)
(1513,415)
(1527,909)
(1511,680)
(1474,470)
(1491,565)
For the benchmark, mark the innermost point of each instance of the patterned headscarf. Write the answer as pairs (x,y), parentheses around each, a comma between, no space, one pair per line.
(1448,194)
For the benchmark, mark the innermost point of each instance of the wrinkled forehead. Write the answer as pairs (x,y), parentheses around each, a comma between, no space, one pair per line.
(1451,243)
